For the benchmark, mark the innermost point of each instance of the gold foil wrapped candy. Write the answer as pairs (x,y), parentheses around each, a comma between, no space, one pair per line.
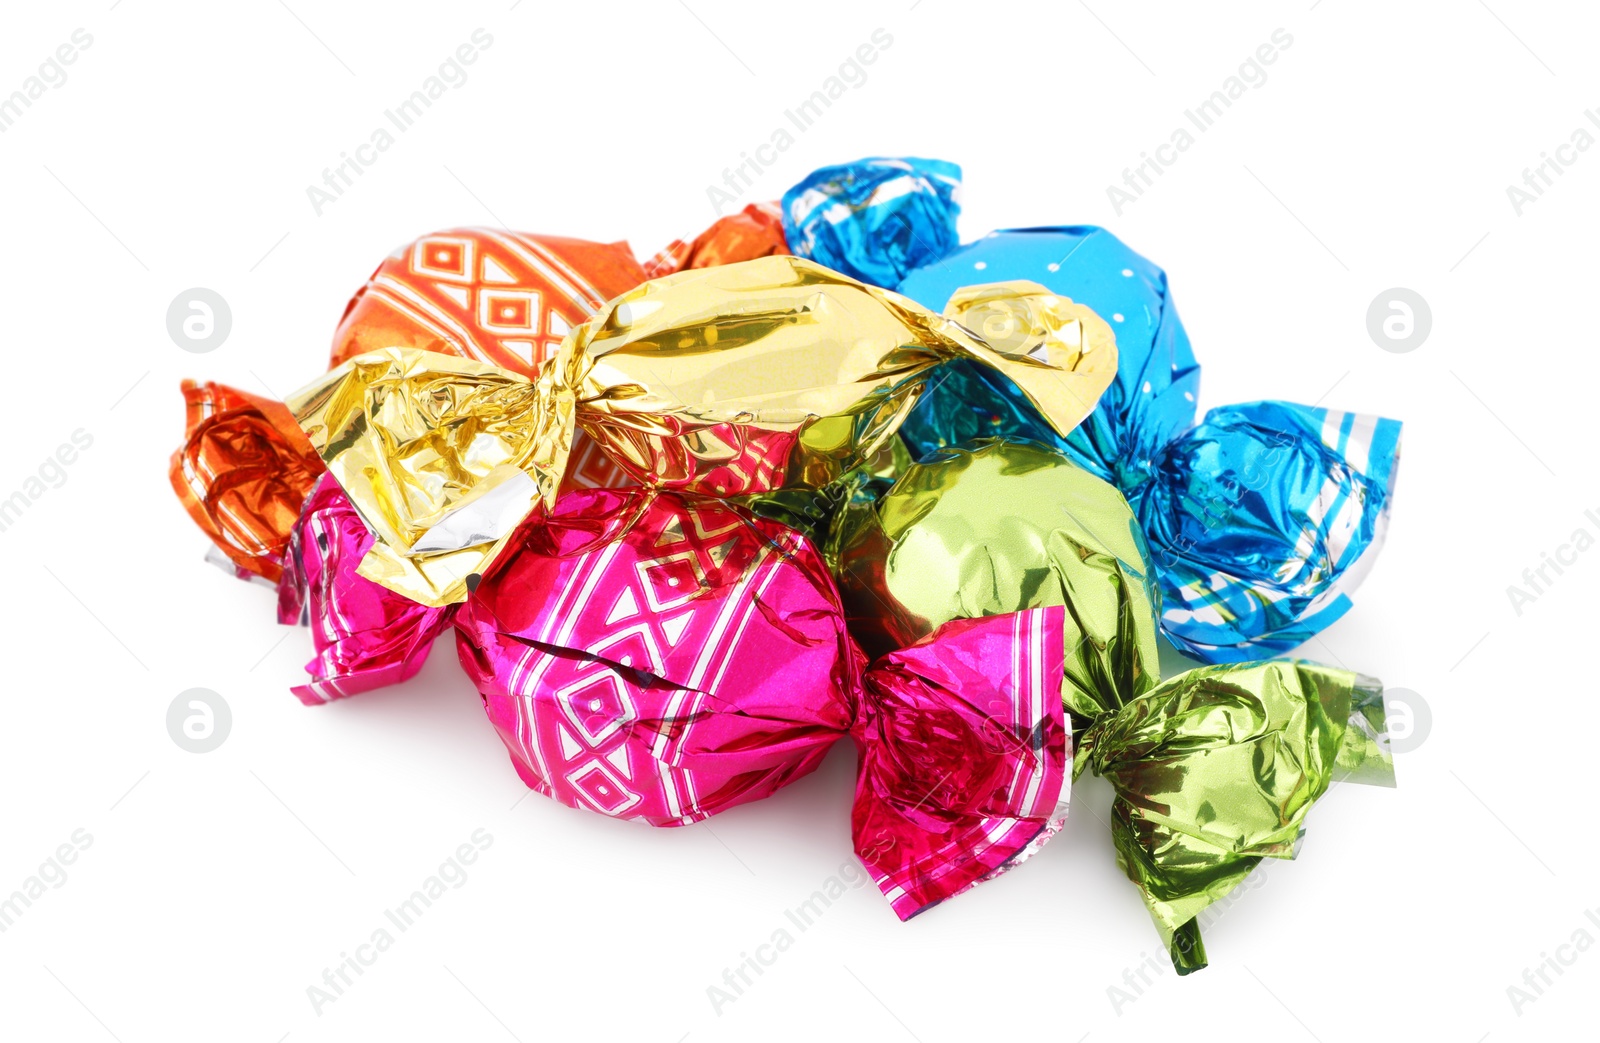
(769,374)
(436,453)
(779,372)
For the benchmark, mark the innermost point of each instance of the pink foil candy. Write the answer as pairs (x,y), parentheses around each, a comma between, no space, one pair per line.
(662,656)
(366,636)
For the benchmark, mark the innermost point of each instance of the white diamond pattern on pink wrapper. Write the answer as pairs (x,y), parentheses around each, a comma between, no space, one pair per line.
(582,753)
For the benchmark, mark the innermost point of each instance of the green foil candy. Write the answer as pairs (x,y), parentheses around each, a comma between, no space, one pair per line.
(1005,526)
(1213,769)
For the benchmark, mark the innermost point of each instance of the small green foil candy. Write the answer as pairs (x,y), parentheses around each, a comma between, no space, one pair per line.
(1214,769)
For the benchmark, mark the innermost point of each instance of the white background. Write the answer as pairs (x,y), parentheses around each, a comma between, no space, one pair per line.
(219,886)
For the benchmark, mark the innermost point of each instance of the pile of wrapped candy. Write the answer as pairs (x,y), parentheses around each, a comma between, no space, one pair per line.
(825,471)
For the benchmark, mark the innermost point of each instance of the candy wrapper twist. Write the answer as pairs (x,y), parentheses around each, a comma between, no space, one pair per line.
(768,374)
(822,471)
(692,657)
(1214,769)
(1261,518)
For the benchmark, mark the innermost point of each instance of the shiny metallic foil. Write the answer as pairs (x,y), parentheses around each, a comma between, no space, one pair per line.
(626,652)
(497,296)
(366,635)
(434,452)
(1213,769)
(1004,526)
(778,372)
(755,231)
(875,219)
(1261,519)
(242,473)
(741,379)
(502,297)
(1216,769)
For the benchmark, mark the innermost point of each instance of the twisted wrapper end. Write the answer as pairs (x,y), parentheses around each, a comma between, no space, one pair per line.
(875,219)
(441,456)
(755,231)
(964,756)
(778,372)
(1263,520)
(366,636)
(242,473)
(1217,768)
(1060,354)
(624,652)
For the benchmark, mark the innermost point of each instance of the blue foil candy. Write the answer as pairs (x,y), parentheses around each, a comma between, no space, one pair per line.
(875,219)
(1260,520)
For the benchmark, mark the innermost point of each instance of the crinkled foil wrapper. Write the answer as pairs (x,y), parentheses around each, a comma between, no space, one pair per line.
(779,372)
(626,648)
(488,294)
(1214,769)
(985,531)
(366,636)
(734,380)
(435,453)
(243,473)
(875,219)
(1261,519)
(755,231)
(492,295)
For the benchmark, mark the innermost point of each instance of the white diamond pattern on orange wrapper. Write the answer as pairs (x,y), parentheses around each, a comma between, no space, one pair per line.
(494,297)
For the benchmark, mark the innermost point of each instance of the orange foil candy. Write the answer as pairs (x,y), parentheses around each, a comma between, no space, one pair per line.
(242,473)
(755,231)
(506,298)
